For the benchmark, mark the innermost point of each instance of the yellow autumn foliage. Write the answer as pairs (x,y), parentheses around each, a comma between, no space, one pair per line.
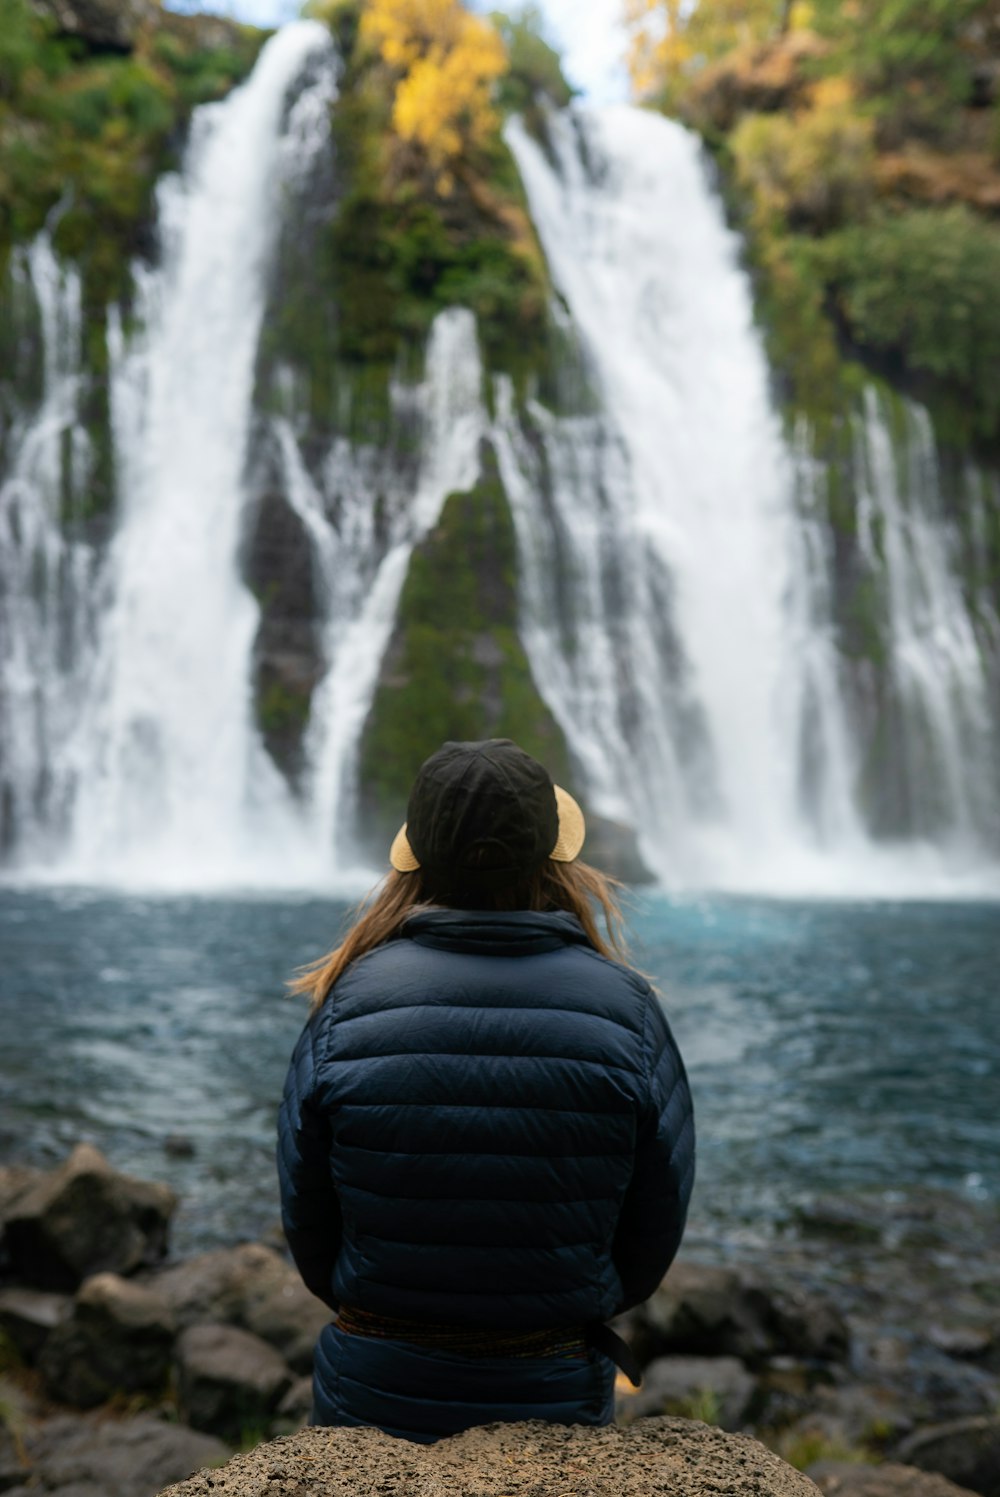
(814,169)
(671,40)
(448,60)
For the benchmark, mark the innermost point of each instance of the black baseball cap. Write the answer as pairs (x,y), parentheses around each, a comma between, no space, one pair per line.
(486,810)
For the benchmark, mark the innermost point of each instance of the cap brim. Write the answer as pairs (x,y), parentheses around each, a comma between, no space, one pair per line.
(572,830)
(401,853)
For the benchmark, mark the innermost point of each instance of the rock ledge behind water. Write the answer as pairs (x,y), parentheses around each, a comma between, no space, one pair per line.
(675,1456)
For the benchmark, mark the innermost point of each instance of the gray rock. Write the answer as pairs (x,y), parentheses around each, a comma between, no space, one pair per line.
(846,1479)
(228,1380)
(86,1218)
(295,1409)
(652,1456)
(614,847)
(179,1146)
(14,1469)
(699,1310)
(118,1339)
(966,1451)
(15,1180)
(718,1390)
(250,1286)
(29,1316)
(972,1343)
(105,25)
(116,1458)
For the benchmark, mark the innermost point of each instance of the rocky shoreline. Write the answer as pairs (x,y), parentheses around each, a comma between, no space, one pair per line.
(864,1348)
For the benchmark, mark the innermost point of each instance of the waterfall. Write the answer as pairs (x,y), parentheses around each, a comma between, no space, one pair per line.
(50,592)
(363,550)
(152,754)
(679,595)
(939,690)
(147,733)
(682,586)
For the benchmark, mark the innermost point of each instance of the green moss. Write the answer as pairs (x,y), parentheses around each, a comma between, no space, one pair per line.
(398,251)
(920,287)
(22,355)
(281,710)
(456,668)
(83,138)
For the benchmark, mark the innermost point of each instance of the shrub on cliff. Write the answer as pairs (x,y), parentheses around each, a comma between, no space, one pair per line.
(431,212)
(83,137)
(921,286)
(812,169)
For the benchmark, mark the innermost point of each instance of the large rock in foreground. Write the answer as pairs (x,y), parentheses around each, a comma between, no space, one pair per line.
(672,1456)
(85,1218)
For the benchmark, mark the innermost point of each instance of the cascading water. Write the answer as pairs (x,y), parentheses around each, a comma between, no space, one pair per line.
(161,770)
(679,590)
(150,735)
(678,603)
(685,491)
(177,775)
(938,685)
(363,549)
(50,593)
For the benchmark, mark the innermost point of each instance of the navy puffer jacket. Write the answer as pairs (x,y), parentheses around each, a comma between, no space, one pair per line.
(486,1124)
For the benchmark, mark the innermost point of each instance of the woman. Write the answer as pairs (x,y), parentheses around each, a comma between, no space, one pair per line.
(486,1144)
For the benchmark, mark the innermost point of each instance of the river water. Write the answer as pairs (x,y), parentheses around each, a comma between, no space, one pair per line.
(831,1046)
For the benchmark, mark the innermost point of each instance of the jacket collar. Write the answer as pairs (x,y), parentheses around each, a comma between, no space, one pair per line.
(495,933)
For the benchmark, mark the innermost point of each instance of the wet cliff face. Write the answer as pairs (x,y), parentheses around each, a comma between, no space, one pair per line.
(461,511)
(455,667)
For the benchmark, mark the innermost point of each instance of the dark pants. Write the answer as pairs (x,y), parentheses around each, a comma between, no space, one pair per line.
(420,1393)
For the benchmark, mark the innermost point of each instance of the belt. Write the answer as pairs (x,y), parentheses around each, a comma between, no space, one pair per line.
(478,1341)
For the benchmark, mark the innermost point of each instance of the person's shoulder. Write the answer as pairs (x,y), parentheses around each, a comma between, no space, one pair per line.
(617,974)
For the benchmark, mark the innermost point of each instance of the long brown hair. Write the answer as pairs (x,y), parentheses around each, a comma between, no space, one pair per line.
(574,887)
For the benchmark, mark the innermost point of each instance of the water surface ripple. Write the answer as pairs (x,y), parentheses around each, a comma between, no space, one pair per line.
(831,1046)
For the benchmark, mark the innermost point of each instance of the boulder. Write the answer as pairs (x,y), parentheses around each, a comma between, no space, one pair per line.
(700,1310)
(15,1181)
(250,1286)
(847,1479)
(104,25)
(854,1414)
(653,1456)
(229,1382)
(718,1390)
(966,1451)
(295,1409)
(29,1316)
(118,1339)
(85,1218)
(614,847)
(115,1457)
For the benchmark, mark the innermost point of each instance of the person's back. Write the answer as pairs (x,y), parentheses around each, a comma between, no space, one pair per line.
(486,1149)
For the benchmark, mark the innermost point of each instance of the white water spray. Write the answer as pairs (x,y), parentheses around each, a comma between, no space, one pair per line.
(179,783)
(364,551)
(676,561)
(50,592)
(678,610)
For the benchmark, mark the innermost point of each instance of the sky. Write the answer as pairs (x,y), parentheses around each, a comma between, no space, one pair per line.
(586,32)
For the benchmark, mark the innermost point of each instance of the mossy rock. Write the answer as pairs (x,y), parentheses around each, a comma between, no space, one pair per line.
(455,667)
(278,567)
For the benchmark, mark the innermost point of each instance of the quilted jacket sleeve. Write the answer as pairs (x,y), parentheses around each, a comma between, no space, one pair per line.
(655,1207)
(310,1211)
